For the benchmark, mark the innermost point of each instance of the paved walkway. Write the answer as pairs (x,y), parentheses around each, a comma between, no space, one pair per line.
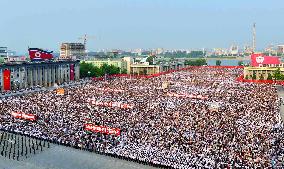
(61,157)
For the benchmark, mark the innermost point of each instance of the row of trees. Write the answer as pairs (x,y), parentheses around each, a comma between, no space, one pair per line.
(195,62)
(89,70)
(199,62)
(277,75)
(184,54)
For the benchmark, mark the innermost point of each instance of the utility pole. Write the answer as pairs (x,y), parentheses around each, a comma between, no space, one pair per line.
(254,38)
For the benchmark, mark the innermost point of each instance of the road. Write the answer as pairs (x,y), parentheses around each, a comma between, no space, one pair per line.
(61,157)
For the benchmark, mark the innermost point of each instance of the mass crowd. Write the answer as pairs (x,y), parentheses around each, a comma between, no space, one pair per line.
(231,124)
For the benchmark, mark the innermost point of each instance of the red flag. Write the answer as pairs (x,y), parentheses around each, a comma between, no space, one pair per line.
(72,72)
(260,59)
(6,79)
(39,54)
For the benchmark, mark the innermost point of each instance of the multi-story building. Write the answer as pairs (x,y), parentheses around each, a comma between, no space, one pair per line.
(220,51)
(280,49)
(270,50)
(143,69)
(166,66)
(262,72)
(15,76)
(121,63)
(234,50)
(3,54)
(127,63)
(72,50)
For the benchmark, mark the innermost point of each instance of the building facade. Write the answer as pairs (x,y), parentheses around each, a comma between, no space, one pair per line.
(15,76)
(122,64)
(142,69)
(71,50)
(262,73)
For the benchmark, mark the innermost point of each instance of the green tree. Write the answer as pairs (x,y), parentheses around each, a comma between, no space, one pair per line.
(109,69)
(144,71)
(218,62)
(196,62)
(254,76)
(247,77)
(240,63)
(150,59)
(86,69)
(124,71)
(89,70)
(269,76)
(277,75)
(114,70)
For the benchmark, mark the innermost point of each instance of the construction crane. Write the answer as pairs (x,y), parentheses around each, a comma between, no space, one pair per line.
(253,38)
(85,38)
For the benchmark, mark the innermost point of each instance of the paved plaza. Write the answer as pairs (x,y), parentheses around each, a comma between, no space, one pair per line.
(61,157)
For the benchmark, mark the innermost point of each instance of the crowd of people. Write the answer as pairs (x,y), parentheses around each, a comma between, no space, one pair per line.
(234,124)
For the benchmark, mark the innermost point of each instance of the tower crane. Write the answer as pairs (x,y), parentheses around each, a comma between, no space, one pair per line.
(85,38)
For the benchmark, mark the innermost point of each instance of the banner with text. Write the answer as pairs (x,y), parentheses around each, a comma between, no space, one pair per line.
(24,116)
(102,129)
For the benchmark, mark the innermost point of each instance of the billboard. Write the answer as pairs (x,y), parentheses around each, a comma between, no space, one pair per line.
(260,59)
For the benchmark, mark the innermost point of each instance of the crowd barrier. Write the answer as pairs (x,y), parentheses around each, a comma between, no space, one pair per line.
(163,73)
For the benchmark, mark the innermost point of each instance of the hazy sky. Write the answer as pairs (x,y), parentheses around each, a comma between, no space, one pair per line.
(125,24)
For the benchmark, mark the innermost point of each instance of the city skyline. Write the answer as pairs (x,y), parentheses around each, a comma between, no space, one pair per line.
(132,24)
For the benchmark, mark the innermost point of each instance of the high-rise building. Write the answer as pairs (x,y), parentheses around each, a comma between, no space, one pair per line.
(72,50)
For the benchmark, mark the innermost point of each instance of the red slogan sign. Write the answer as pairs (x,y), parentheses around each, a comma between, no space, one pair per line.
(102,129)
(19,115)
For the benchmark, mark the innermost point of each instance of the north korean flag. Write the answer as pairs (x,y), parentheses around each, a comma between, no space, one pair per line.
(39,54)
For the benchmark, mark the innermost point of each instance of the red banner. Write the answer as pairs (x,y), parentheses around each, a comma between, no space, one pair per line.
(20,115)
(7,79)
(261,59)
(102,129)
(72,71)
